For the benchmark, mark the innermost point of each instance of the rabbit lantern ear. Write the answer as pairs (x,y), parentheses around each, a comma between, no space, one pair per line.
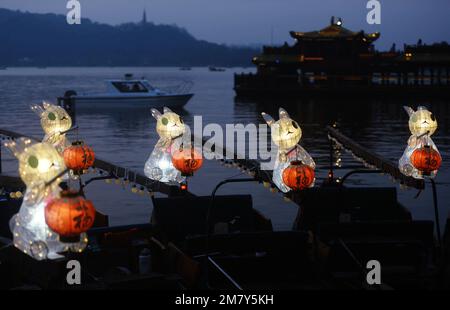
(408,110)
(18,146)
(38,109)
(47,104)
(283,114)
(269,119)
(166,109)
(156,114)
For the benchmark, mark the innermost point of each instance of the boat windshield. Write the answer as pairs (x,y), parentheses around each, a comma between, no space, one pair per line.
(130,87)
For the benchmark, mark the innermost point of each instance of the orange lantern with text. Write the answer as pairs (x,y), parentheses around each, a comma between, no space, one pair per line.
(79,157)
(187,161)
(69,216)
(426,159)
(298,176)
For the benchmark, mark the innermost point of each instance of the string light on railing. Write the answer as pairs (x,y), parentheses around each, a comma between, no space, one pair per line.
(134,189)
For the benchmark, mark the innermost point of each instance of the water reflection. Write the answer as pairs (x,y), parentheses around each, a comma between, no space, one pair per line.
(128,136)
(138,119)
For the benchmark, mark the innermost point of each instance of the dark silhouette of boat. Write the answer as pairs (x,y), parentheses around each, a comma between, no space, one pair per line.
(223,242)
(216,69)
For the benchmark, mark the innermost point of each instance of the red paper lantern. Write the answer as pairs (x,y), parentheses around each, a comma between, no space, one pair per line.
(187,161)
(426,159)
(70,215)
(78,157)
(298,176)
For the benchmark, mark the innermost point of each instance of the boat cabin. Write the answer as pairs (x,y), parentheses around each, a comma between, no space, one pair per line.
(129,86)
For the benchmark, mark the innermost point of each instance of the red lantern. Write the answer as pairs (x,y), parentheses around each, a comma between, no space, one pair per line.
(78,157)
(298,176)
(69,216)
(426,159)
(187,161)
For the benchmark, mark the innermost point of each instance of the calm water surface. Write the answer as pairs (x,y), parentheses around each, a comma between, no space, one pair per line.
(127,137)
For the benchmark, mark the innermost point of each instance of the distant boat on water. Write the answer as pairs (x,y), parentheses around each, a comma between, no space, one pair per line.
(185,69)
(216,69)
(132,93)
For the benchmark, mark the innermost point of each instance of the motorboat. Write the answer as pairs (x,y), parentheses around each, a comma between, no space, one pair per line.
(132,93)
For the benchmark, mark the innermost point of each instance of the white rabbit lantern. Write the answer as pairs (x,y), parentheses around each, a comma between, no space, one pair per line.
(170,128)
(55,121)
(286,134)
(422,125)
(39,167)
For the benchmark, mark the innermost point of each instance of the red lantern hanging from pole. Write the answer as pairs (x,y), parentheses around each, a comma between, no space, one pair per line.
(69,216)
(187,161)
(298,176)
(79,157)
(426,159)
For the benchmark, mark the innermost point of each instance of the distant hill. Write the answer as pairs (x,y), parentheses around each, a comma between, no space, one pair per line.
(28,39)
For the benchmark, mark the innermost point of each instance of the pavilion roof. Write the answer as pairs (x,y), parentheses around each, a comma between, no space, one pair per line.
(334,30)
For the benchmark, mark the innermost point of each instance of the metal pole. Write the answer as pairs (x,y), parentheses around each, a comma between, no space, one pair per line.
(208,217)
(436,213)
(0,158)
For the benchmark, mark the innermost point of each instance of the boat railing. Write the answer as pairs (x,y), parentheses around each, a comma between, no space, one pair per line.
(112,171)
(373,159)
(216,267)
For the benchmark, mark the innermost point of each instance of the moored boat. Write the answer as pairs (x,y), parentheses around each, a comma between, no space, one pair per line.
(132,93)
(216,69)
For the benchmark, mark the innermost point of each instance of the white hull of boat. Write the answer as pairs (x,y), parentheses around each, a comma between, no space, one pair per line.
(111,102)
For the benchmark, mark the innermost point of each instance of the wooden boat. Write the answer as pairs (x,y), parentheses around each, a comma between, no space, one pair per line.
(220,243)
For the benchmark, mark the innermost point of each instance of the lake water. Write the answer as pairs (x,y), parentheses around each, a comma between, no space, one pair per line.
(127,137)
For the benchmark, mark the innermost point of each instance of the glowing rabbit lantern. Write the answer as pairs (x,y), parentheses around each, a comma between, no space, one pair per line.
(55,121)
(286,134)
(39,167)
(421,156)
(159,166)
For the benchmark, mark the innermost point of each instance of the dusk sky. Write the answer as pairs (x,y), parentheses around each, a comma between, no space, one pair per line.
(251,21)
